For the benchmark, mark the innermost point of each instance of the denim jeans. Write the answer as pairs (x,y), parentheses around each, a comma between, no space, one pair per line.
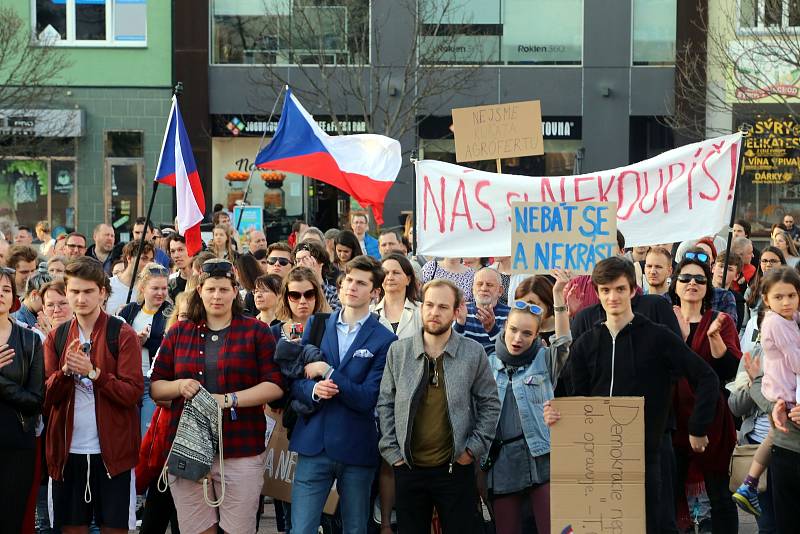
(313,479)
(148,408)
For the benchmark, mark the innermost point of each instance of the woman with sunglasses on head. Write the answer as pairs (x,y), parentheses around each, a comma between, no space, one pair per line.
(300,297)
(268,287)
(399,305)
(526,371)
(312,255)
(21,397)
(538,290)
(230,355)
(148,317)
(712,336)
(783,242)
(221,243)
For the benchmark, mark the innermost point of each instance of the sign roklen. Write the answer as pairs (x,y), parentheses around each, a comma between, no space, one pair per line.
(498,131)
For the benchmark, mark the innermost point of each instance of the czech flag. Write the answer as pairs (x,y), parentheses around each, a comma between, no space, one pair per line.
(176,168)
(364,166)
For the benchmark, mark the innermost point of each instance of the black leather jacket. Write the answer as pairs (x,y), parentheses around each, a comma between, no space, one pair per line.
(22,385)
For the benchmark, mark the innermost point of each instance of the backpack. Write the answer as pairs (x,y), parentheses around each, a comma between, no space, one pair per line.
(112,336)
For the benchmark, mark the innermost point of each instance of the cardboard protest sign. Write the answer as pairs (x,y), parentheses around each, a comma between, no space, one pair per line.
(281,463)
(500,131)
(597,465)
(677,195)
(550,235)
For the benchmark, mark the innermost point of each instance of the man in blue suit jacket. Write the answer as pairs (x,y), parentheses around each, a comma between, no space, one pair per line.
(340,440)
(359,224)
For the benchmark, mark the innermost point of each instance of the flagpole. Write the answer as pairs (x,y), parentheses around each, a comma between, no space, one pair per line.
(414,160)
(260,146)
(745,130)
(176,92)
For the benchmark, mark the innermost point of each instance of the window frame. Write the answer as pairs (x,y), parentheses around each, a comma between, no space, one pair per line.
(212,53)
(760,28)
(71,42)
(503,63)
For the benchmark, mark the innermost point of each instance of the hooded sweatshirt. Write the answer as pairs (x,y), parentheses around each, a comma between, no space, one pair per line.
(641,362)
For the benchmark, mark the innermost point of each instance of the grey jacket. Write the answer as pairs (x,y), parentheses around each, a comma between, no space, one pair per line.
(472,402)
(748,402)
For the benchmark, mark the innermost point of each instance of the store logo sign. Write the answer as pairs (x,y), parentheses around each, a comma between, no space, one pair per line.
(236,126)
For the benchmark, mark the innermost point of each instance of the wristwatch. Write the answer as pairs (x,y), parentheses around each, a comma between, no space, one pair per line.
(563,308)
(93,374)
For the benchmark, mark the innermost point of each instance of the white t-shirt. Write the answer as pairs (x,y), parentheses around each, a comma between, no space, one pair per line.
(140,322)
(85,439)
(119,292)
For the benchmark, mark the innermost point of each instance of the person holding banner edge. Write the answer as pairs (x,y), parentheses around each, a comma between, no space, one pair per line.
(646,356)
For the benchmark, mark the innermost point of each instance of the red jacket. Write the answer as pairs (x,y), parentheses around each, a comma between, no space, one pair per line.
(117,391)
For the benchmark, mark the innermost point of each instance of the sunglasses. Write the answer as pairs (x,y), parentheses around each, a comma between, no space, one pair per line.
(218,267)
(698,278)
(702,256)
(283,262)
(433,373)
(159,269)
(7,270)
(533,308)
(294,296)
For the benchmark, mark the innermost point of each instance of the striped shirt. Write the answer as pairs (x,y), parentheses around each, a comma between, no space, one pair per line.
(473,328)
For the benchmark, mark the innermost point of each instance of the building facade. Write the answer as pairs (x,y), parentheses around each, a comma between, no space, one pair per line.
(113,101)
(603,71)
(753,80)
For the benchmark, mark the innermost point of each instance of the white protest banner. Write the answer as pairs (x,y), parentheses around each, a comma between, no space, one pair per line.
(681,194)
(572,236)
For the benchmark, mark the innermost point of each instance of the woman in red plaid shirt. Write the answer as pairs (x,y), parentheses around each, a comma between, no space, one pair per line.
(230,355)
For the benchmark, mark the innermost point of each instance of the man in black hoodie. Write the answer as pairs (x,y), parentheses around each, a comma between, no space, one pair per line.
(629,355)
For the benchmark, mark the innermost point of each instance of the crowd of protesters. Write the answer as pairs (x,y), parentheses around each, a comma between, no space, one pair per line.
(419,387)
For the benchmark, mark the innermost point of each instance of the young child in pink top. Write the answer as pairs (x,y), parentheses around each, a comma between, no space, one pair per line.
(780,341)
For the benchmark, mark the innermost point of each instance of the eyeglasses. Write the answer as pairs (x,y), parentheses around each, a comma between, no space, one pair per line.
(54,305)
(769,262)
(294,296)
(283,262)
(218,267)
(702,256)
(698,278)
(533,308)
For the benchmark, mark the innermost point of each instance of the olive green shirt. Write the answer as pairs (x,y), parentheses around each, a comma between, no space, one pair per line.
(431,435)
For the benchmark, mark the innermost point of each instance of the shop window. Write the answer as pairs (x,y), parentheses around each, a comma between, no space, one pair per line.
(654,30)
(509,32)
(290,32)
(91,22)
(124,145)
(755,15)
(37,189)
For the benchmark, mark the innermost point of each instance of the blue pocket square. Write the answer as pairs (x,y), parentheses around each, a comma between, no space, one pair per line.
(362,353)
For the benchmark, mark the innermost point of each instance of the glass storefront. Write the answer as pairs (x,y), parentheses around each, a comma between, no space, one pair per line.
(505,32)
(289,32)
(769,184)
(32,190)
(562,141)
(654,27)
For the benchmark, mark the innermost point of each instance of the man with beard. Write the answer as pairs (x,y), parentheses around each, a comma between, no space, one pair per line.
(484,318)
(657,270)
(438,411)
